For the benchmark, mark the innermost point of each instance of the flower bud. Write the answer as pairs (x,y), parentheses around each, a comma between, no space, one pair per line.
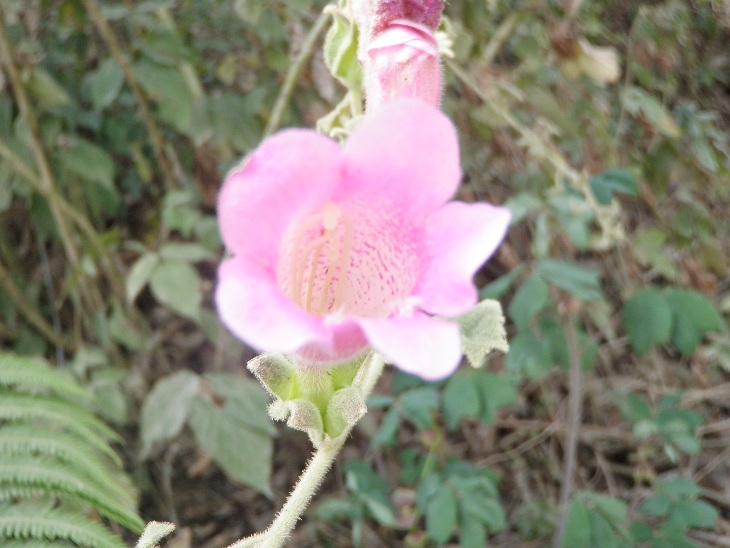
(402,61)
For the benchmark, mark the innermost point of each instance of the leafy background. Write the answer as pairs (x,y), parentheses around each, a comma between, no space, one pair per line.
(117,121)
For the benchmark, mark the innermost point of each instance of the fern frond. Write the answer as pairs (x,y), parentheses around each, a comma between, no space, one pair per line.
(26,440)
(34,374)
(57,479)
(28,523)
(22,407)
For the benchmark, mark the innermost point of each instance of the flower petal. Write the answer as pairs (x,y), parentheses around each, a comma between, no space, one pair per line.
(423,346)
(459,239)
(254,309)
(405,152)
(291,172)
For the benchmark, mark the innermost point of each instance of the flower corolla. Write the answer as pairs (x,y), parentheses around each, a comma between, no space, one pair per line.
(336,250)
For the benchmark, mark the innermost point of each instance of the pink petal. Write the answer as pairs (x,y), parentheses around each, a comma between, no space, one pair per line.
(405,152)
(423,346)
(289,173)
(459,239)
(254,309)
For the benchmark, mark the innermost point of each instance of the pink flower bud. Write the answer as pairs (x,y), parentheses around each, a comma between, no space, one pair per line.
(401,61)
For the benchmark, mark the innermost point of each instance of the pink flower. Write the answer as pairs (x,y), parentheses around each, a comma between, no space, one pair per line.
(337,249)
(402,61)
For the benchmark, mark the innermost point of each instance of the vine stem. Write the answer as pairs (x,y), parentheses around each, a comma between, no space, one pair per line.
(313,475)
(295,69)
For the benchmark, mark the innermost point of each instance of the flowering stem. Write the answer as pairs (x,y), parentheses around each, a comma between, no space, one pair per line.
(313,475)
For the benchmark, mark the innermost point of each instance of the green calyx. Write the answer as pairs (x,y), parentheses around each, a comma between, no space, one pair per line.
(324,404)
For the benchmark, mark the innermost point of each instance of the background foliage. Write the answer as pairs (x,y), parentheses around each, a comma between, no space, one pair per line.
(601,124)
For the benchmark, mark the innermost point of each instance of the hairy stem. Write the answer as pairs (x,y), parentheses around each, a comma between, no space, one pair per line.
(295,69)
(313,475)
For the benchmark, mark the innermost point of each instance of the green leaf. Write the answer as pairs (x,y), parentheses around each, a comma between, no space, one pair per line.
(499,287)
(460,399)
(678,487)
(242,452)
(244,399)
(168,87)
(186,252)
(637,101)
(495,391)
(441,514)
(166,409)
(418,405)
(693,514)
(105,83)
(694,316)
(577,526)
(647,319)
(90,162)
(47,90)
(583,283)
(529,356)
(140,274)
(177,285)
(603,185)
(482,331)
(531,297)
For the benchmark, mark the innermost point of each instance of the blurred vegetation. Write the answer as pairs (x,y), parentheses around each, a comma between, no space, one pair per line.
(603,125)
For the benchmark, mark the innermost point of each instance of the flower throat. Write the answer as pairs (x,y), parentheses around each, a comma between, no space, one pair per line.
(320,257)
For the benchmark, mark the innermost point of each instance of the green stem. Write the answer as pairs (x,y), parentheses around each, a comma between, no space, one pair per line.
(293,73)
(313,475)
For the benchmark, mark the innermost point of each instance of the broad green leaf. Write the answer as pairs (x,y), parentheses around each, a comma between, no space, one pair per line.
(531,298)
(577,526)
(678,487)
(694,514)
(140,274)
(89,161)
(460,399)
(495,391)
(168,87)
(105,83)
(612,180)
(184,251)
(581,282)
(647,319)
(244,399)
(499,287)
(529,356)
(694,316)
(166,408)
(47,90)
(482,331)
(242,452)
(441,514)
(177,285)
(418,405)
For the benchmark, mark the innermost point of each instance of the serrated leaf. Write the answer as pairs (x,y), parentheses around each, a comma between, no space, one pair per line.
(243,453)
(694,315)
(482,331)
(605,184)
(647,319)
(105,83)
(166,409)
(140,274)
(177,285)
